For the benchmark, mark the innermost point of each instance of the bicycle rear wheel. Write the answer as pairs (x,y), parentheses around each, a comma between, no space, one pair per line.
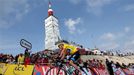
(56,71)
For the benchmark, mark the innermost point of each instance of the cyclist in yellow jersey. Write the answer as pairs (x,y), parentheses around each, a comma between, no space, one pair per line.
(72,49)
(67,49)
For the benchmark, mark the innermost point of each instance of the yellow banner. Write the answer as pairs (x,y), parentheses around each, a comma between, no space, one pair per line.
(3,68)
(19,70)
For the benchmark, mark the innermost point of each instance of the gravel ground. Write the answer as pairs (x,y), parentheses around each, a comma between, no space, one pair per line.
(126,59)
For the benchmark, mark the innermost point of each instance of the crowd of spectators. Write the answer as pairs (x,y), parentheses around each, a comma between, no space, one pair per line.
(111,64)
(112,53)
(26,58)
(94,63)
(121,65)
(43,58)
(35,58)
(6,58)
(109,53)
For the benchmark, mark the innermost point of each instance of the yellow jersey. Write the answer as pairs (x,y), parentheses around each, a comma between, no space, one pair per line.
(72,48)
(20,59)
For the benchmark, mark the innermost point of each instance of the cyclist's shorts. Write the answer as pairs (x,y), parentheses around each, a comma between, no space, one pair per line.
(75,56)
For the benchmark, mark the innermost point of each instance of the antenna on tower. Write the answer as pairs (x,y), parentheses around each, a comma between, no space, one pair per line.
(49,4)
(50,11)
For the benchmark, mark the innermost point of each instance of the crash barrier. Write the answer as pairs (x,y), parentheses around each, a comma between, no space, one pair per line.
(3,68)
(14,69)
(121,71)
(129,71)
(117,71)
(99,71)
(42,70)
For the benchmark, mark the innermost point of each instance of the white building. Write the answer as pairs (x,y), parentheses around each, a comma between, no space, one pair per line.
(51,30)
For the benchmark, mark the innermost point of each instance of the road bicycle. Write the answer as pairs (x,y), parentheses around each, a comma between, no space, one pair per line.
(61,68)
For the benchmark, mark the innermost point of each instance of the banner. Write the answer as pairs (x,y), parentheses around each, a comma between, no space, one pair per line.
(19,70)
(88,71)
(40,70)
(102,71)
(99,71)
(117,71)
(12,69)
(3,68)
(129,71)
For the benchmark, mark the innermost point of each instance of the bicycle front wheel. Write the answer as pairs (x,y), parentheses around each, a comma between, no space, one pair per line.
(56,71)
(84,71)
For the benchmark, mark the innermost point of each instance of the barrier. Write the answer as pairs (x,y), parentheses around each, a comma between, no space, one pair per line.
(89,72)
(19,70)
(117,71)
(129,71)
(54,71)
(99,71)
(3,68)
(40,70)
(102,71)
(12,69)
(94,71)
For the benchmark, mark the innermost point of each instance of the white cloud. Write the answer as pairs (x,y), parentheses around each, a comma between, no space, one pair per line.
(118,40)
(108,36)
(95,6)
(8,44)
(108,46)
(72,23)
(129,45)
(116,35)
(75,1)
(12,11)
(127,29)
(81,31)
(129,7)
(109,41)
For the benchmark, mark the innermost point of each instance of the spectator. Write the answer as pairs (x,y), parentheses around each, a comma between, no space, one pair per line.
(109,67)
(101,66)
(124,66)
(16,58)
(27,57)
(1,58)
(21,59)
(117,65)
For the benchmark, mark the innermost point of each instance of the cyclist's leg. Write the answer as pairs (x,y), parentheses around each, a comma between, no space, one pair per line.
(73,59)
(74,65)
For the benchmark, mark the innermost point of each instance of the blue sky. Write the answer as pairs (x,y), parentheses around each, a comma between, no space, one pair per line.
(108,24)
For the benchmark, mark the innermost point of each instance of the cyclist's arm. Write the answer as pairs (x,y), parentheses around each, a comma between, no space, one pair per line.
(63,53)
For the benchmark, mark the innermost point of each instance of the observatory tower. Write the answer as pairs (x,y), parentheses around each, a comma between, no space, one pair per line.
(52,33)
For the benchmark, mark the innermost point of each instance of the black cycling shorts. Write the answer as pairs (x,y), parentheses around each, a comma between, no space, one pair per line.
(75,56)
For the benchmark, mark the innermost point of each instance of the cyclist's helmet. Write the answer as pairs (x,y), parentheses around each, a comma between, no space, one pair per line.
(61,42)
